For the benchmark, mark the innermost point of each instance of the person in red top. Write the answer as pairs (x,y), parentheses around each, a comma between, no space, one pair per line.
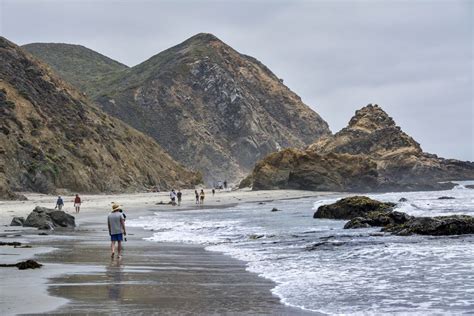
(77,203)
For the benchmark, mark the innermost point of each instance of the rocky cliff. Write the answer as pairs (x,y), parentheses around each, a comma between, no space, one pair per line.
(371,154)
(51,137)
(212,108)
(84,68)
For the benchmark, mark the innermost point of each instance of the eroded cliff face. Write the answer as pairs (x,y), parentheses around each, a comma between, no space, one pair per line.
(371,154)
(51,137)
(213,109)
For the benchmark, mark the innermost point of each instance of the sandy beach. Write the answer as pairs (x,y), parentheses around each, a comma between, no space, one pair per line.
(78,275)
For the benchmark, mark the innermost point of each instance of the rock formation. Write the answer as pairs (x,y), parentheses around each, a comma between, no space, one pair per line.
(364,212)
(370,154)
(212,108)
(45,218)
(434,226)
(52,137)
(352,207)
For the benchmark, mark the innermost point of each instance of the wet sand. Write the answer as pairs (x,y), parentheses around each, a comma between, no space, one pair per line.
(151,278)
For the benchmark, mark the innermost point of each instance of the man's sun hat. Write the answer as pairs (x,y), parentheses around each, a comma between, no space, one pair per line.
(115,206)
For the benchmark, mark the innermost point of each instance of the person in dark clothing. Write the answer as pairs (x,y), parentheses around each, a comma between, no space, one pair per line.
(179,195)
(213,191)
(197,196)
(59,203)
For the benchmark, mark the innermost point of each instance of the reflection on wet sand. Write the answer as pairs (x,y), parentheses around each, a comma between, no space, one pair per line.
(114,273)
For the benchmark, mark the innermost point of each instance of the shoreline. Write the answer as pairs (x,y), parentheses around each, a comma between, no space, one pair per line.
(90,235)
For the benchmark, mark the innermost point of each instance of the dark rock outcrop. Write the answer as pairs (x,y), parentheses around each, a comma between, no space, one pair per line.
(23,265)
(353,207)
(434,226)
(469,186)
(370,154)
(17,221)
(11,243)
(364,212)
(380,219)
(44,218)
(403,200)
(275,210)
(446,198)
(52,137)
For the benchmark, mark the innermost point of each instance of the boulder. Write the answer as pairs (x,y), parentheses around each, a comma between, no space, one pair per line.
(44,218)
(17,221)
(380,219)
(352,207)
(275,210)
(435,226)
(403,200)
(23,265)
(469,186)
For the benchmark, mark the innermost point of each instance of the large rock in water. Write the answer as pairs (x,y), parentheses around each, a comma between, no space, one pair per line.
(352,207)
(371,154)
(380,219)
(435,226)
(45,218)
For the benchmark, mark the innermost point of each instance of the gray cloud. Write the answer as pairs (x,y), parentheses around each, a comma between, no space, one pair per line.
(414,58)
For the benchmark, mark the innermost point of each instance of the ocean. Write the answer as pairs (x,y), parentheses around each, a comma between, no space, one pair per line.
(319,266)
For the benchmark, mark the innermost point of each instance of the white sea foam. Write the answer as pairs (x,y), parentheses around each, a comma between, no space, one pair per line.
(319,266)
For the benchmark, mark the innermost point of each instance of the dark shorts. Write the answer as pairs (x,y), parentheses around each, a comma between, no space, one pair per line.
(116,237)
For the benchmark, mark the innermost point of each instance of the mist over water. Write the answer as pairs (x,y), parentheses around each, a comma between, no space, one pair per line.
(319,266)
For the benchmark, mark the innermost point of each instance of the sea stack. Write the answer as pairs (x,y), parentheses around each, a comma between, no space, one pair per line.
(371,154)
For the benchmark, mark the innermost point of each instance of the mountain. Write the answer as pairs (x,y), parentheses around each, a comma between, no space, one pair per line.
(371,154)
(82,67)
(213,109)
(52,137)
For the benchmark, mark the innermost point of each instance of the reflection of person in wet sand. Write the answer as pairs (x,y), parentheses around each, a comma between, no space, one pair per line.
(114,279)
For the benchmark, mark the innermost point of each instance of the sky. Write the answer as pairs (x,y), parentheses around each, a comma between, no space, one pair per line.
(413,58)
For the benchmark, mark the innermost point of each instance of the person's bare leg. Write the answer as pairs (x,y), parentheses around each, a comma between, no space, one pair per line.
(112,248)
(119,249)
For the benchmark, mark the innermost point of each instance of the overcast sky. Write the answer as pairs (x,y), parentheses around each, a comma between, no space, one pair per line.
(414,58)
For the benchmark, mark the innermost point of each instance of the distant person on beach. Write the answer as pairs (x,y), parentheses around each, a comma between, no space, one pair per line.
(173,197)
(202,195)
(59,203)
(196,194)
(179,195)
(225,185)
(213,191)
(116,224)
(77,203)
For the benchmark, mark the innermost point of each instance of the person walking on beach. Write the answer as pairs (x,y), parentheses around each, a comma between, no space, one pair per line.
(213,192)
(173,197)
(179,195)
(196,194)
(77,203)
(202,195)
(120,210)
(59,203)
(116,224)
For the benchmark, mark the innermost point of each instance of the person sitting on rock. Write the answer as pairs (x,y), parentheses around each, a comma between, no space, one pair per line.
(59,203)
